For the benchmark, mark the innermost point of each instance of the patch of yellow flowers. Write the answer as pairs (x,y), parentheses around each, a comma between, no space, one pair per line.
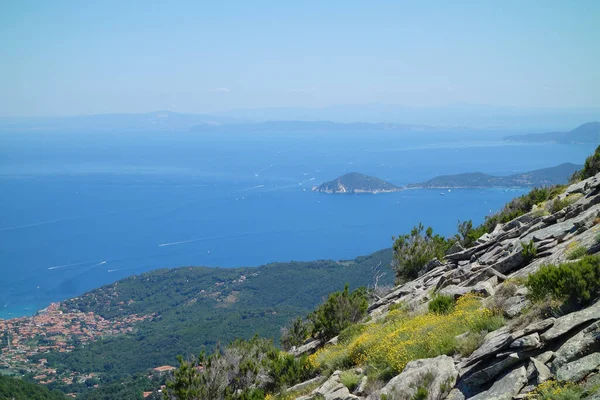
(552,389)
(402,338)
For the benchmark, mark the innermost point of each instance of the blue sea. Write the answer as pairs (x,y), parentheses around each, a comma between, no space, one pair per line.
(81,210)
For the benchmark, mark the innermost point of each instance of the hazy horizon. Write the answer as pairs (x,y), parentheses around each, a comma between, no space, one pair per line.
(68,58)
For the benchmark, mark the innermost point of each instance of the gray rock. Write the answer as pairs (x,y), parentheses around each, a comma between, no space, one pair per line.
(304,384)
(438,375)
(592,383)
(542,371)
(539,326)
(545,357)
(583,343)
(307,348)
(455,394)
(564,324)
(431,265)
(455,248)
(483,373)
(531,341)
(362,385)
(483,288)
(578,369)
(492,343)
(514,260)
(514,306)
(505,388)
(333,389)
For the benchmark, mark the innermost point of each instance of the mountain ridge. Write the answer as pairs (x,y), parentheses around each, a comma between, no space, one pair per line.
(586,133)
(559,174)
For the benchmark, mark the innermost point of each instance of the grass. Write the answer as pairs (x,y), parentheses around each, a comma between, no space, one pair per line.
(388,346)
(350,380)
(467,344)
(575,251)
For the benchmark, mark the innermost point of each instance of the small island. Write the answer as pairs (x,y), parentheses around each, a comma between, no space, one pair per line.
(356,183)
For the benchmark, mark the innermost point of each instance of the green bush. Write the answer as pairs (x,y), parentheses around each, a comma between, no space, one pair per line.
(590,168)
(295,335)
(441,304)
(350,380)
(577,283)
(285,370)
(522,205)
(529,251)
(351,332)
(244,370)
(340,310)
(467,235)
(412,251)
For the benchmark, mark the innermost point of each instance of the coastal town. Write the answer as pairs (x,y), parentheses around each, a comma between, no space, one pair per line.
(55,329)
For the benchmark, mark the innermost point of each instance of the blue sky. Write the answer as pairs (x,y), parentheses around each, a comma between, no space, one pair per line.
(83,57)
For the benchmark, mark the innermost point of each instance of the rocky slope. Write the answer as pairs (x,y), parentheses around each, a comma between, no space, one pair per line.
(514,359)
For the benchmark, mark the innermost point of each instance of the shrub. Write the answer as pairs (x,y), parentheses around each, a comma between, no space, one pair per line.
(529,251)
(590,168)
(244,370)
(295,335)
(350,380)
(441,304)
(351,332)
(229,373)
(412,251)
(340,310)
(468,235)
(576,283)
(522,205)
(285,370)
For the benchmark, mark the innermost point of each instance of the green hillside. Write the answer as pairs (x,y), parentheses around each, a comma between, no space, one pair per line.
(558,175)
(17,389)
(198,307)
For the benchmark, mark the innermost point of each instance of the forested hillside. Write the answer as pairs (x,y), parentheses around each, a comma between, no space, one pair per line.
(198,307)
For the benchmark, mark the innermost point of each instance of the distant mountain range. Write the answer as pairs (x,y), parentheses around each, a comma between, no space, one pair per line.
(312,126)
(586,133)
(356,183)
(541,177)
(471,117)
(135,122)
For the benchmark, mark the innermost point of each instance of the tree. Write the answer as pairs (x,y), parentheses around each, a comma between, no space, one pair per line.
(340,310)
(296,333)
(590,168)
(412,251)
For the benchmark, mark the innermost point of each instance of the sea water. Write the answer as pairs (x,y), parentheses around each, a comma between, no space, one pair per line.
(80,211)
